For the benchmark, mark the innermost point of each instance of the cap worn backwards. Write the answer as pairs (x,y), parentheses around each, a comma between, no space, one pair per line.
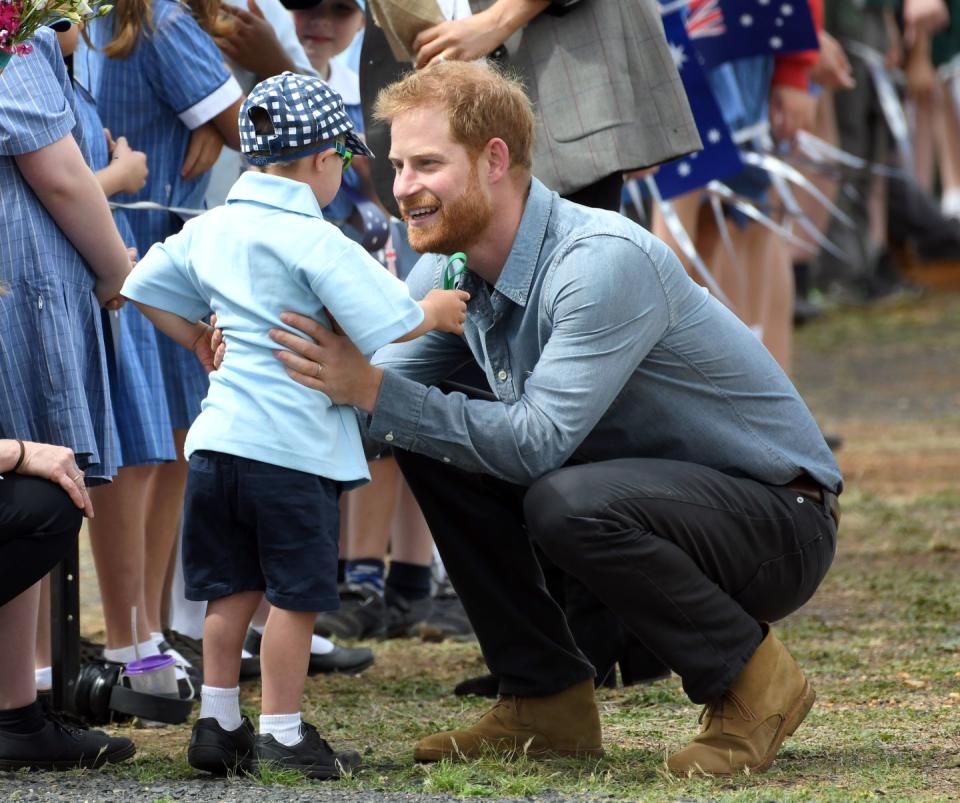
(290,116)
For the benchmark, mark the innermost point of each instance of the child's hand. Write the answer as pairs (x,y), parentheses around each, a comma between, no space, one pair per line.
(132,165)
(253,44)
(202,151)
(108,293)
(447,310)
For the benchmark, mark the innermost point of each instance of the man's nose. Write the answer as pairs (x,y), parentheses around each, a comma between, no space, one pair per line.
(406,184)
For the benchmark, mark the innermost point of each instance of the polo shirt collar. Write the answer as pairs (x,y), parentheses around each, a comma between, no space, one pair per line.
(521,264)
(275,191)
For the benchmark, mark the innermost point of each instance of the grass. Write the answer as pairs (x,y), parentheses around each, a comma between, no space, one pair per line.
(880,641)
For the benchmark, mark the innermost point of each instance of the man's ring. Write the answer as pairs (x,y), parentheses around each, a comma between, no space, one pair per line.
(319,369)
(441,57)
(78,478)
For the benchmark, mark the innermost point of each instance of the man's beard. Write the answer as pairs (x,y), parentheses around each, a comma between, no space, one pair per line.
(458,224)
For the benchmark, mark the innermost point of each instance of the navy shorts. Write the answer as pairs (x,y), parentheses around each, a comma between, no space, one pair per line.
(252,526)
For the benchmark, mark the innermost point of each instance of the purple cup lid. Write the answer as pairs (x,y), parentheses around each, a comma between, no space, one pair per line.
(149,664)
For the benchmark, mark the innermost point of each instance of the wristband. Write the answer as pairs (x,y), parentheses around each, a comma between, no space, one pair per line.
(23,451)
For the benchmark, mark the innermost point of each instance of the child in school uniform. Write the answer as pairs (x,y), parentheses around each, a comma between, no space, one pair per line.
(268,457)
(61,258)
(157,78)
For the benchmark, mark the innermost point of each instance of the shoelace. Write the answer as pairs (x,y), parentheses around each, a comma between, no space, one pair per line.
(710,709)
(63,721)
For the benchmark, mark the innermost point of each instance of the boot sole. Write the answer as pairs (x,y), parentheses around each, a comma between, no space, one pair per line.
(789,726)
(431,756)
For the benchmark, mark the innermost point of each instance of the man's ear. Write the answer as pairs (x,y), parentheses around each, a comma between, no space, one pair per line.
(498,159)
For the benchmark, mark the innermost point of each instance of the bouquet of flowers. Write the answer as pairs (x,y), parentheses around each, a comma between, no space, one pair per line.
(19,20)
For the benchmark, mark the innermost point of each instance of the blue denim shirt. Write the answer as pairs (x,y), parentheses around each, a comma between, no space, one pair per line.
(598,346)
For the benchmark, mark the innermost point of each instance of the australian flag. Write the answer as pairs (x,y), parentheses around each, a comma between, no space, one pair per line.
(719,158)
(725,30)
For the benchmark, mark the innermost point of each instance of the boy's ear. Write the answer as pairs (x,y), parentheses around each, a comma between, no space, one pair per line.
(321,157)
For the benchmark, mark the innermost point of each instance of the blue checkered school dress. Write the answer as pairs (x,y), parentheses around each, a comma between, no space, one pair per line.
(136,381)
(173,81)
(53,367)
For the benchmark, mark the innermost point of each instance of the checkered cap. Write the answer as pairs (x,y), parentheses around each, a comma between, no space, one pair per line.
(290,116)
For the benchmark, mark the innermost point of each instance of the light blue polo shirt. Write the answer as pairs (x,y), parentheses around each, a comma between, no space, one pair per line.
(268,250)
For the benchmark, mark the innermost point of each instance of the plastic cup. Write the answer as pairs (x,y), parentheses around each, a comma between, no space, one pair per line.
(154,674)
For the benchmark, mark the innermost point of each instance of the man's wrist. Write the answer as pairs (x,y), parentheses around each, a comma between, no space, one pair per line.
(371,392)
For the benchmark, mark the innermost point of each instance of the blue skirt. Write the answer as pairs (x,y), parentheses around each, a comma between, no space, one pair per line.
(54,385)
(137,389)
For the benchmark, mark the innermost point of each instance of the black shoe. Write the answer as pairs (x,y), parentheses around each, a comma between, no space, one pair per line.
(213,749)
(311,755)
(448,619)
(362,615)
(59,746)
(482,686)
(350,661)
(404,616)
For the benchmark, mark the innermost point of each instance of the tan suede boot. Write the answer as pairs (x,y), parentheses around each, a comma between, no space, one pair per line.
(565,724)
(743,730)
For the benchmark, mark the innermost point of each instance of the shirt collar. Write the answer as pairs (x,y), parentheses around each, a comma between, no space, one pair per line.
(521,264)
(276,191)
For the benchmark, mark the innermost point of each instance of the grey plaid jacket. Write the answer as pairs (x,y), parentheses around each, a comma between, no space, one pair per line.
(607,94)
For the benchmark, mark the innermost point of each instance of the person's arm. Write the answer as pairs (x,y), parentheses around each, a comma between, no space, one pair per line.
(195,337)
(253,43)
(443,311)
(474,37)
(127,170)
(600,334)
(70,192)
(54,463)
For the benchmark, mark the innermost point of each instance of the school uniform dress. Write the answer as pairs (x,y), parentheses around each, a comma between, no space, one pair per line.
(173,81)
(53,367)
(136,381)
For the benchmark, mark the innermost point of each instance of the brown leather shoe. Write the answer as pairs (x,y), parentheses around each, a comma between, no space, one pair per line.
(563,724)
(743,730)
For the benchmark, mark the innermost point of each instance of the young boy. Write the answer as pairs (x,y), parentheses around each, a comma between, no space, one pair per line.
(268,457)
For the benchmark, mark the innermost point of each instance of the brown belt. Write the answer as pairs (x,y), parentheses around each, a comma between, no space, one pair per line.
(810,488)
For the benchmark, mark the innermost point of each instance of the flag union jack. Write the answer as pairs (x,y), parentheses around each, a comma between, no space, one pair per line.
(705,18)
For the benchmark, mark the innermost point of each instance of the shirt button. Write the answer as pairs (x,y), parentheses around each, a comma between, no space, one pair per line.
(388,437)
(446,460)
(502,375)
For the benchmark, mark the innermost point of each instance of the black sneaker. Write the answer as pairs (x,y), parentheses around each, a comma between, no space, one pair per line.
(404,616)
(311,755)
(61,746)
(213,749)
(362,615)
(448,620)
(350,661)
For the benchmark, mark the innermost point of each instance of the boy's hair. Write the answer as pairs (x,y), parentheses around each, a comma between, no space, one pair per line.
(129,17)
(481,103)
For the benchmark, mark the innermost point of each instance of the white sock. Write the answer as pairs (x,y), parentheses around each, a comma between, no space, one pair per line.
(44,678)
(221,704)
(321,646)
(156,638)
(318,644)
(124,655)
(285,728)
(950,202)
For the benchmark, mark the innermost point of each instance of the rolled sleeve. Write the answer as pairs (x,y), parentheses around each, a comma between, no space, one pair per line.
(34,112)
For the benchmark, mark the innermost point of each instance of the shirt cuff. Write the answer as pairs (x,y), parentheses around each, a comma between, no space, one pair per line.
(396,416)
(211,105)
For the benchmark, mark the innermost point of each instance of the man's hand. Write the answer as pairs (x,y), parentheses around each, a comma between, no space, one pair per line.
(790,110)
(832,69)
(329,363)
(202,151)
(253,44)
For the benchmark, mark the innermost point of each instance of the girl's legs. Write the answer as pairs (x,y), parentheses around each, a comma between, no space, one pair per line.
(117,541)
(164,504)
(18,629)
